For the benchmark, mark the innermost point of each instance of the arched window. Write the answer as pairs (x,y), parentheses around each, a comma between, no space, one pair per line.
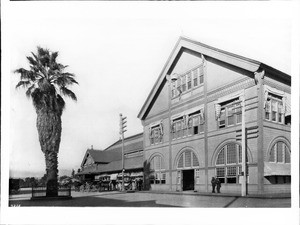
(157,170)
(187,159)
(280,153)
(229,163)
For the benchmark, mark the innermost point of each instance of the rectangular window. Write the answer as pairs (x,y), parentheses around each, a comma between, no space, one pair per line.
(152,178)
(156,135)
(188,159)
(197,175)
(157,178)
(195,77)
(222,119)
(274,109)
(163,178)
(183,83)
(179,89)
(189,81)
(280,152)
(220,171)
(231,113)
(179,177)
(231,153)
(201,75)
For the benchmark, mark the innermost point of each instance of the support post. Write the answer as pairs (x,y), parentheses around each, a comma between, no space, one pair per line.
(244,149)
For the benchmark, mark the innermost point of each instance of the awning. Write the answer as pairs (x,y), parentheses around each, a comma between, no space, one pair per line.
(113,176)
(97,177)
(238,94)
(277,169)
(136,174)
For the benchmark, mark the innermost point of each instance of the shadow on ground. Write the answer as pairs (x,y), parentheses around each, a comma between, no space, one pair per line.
(86,201)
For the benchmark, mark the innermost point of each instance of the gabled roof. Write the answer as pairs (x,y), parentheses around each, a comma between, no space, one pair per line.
(102,156)
(188,44)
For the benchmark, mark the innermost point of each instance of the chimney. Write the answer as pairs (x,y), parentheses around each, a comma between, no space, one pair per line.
(92,147)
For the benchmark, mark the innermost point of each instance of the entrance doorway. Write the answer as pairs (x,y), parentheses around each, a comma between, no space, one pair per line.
(187,180)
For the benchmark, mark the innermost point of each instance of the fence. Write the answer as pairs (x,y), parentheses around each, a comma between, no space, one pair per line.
(41,192)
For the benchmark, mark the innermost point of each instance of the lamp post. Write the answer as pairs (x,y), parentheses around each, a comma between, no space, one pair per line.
(122,131)
(170,79)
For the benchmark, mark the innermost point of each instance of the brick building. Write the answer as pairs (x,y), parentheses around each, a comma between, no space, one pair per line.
(192,122)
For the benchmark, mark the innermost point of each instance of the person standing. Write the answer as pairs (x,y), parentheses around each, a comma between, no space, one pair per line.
(218,184)
(213,184)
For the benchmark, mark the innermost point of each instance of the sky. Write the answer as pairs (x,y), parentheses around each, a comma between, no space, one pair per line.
(117,52)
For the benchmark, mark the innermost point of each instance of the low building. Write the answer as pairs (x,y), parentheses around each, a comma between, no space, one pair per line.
(192,123)
(106,165)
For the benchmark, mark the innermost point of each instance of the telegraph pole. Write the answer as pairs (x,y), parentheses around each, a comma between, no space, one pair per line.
(122,131)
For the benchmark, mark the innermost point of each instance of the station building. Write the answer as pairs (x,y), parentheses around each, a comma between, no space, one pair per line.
(192,123)
(106,165)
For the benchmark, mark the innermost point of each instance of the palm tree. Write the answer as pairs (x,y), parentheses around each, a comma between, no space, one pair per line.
(46,81)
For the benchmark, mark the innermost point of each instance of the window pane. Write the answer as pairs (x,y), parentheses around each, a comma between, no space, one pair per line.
(240,154)
(287,155)
(188,159)
(238,118)
(157,163)
(280,151)
(195,160)
(180,163)
(231,171)
(231,180)
(231,153)
(220,171)
(230,120)
(272,154)
(274,114)
(221,157)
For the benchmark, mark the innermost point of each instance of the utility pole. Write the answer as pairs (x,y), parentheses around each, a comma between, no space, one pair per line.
(244,150)
(122,131)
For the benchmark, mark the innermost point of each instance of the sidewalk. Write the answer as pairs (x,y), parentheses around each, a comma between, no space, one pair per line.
(263,196)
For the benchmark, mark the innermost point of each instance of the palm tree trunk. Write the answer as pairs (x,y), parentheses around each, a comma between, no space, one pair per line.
(49,130)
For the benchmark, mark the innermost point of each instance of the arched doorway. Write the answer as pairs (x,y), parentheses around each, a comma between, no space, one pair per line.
(187,170)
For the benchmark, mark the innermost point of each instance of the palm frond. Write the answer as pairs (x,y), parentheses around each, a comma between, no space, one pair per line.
(65,91)
(23,83)
(60,102)
(30,90)
(32,61)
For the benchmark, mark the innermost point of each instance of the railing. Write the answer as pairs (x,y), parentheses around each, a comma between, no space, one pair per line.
(41,191)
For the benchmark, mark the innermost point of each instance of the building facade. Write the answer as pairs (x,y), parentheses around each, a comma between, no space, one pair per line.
(192,122)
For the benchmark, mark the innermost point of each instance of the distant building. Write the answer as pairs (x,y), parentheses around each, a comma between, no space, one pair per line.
(106,165)
(192,124)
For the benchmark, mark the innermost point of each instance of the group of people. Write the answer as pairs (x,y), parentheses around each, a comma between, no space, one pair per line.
(215,182)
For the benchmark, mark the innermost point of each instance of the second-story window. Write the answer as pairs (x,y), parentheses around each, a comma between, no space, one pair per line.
(230,113)
(156,134)
(183,83)
(187,125)
(277,105)
(189,81)
(274,109)
(195,78)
